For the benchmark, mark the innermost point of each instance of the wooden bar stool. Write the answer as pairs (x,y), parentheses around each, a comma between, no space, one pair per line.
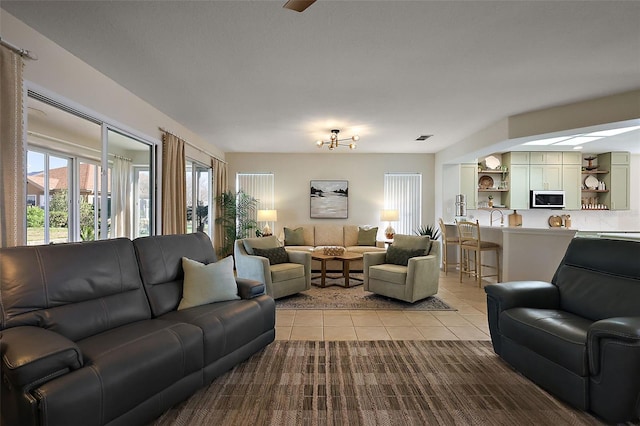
(446,241)
(469,237)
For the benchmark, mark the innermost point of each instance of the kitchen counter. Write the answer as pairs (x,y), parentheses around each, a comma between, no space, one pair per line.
(527,253)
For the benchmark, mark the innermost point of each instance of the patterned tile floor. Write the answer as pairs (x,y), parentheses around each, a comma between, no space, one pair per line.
(469,322)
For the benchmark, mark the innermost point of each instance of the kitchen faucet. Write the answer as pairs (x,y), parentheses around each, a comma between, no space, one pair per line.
(501,217)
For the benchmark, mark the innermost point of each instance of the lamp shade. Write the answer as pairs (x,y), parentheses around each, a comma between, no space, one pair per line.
(267,215)
(389,215)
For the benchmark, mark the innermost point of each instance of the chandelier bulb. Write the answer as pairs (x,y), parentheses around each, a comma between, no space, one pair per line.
(319,143)
(352,146)
(355,138)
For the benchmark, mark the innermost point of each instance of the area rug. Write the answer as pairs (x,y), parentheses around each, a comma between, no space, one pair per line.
(355,298)
(373,383)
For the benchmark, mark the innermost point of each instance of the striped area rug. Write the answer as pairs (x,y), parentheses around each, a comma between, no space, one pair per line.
(373,383)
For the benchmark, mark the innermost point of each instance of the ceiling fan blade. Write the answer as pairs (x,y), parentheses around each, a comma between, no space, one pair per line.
(298,5)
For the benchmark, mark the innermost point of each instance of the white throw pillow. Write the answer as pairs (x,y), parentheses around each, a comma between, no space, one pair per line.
(207,283)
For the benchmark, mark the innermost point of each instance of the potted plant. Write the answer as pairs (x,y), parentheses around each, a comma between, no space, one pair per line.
(236,219)
(429,230)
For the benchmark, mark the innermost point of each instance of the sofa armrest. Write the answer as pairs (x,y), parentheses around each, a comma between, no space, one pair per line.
(248,289)
(251,267)
(526,294)
(34,355)
(372,258)
(299,256)
(624,330)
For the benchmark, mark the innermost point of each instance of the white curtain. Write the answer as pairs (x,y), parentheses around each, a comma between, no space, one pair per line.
(12,152)
(260,186)
(121,198)
(403,192)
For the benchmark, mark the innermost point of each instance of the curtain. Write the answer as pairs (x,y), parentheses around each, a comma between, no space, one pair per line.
(174,187)
(403,192)
(12,151)
(121,197)
(220,184)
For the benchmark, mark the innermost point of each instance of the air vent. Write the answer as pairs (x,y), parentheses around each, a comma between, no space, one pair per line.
(423,137)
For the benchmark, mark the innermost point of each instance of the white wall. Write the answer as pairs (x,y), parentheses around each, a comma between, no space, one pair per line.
(365,173)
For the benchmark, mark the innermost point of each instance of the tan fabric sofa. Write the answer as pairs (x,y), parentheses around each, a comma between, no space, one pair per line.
(319,236)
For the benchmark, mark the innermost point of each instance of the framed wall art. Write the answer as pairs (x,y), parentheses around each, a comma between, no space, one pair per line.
(329,199)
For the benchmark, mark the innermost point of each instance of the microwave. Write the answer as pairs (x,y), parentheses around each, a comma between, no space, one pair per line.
(547,199)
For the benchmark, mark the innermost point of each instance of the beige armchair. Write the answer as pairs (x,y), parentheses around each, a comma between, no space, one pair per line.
(282,279)
(415,281)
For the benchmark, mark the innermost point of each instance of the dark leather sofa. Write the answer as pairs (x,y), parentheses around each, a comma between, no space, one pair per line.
(91,335)
(578,337)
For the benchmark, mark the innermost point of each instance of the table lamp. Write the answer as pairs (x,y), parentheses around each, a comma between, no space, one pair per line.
(389,216)
(267,216)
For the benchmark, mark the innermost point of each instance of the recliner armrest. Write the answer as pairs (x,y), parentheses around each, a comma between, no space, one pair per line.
(34,355)
(526,294)
(626,330)
(248,289)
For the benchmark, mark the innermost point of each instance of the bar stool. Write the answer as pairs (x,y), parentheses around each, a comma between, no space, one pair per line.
(469,237)
(445,243)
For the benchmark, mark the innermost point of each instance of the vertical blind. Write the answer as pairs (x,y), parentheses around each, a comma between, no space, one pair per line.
(259,186)
(403,192)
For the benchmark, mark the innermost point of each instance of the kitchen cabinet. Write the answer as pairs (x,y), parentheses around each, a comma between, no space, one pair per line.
(617,181)
(547,177)
(469,184)
(517,163)
(545,158)
(571,182)
(572,158)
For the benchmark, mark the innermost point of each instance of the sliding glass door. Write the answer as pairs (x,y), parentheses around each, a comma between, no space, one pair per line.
(86,180)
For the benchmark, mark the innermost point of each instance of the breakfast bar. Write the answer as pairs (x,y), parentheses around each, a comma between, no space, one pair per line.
(527,253)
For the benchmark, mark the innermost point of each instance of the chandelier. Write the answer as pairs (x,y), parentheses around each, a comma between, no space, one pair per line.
(334,141)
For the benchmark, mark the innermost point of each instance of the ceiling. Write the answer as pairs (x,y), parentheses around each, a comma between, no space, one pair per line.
(250,76)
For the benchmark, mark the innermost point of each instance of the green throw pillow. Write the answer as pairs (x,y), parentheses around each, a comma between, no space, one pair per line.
(275,255)
(293,237)
(399,256)
(210,283)
(367,237)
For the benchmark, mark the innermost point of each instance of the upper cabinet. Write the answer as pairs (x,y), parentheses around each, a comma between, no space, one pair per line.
(597,182)
(545,158)
(616,195)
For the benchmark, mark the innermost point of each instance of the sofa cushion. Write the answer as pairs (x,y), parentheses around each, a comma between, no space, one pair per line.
(293,237)
(329,235)
(412,242)
(140,360)
(228,326)
(286,271)
(275,255)
(367,237)
(75,289)
(260,242)
(210,283)
(554,334)
(396,274)
(350,235)
(160,260)
(365,249)
(400,256)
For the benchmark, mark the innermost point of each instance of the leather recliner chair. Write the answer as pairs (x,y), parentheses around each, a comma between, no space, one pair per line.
(578,336)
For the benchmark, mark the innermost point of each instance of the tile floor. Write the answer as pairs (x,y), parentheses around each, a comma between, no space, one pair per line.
(469,322)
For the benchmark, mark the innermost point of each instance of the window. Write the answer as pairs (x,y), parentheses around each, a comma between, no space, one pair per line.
(261,187)
(198,179)
(67,187)
(403,192)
